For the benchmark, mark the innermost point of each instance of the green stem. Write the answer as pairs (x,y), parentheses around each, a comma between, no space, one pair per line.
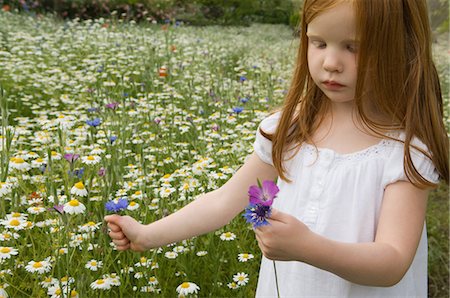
(276,279)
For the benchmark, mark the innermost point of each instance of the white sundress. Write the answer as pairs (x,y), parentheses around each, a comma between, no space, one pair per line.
(339,196)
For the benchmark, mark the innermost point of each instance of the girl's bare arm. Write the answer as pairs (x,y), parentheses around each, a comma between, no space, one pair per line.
(207,213)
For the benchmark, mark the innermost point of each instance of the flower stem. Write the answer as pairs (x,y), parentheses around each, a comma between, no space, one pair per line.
(276,279)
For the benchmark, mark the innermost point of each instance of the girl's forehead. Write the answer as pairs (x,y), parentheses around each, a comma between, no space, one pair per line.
(336,21)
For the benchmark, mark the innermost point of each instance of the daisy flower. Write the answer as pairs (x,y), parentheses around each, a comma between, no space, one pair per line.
(37,162)
(79,189)
(3,293)
(74,207)
(201,253)
(227,236)
(133,206)
(48,282)
(91,159)
(19,163)
(93,265)
(7,252)
(171,255)
(39,267)
(187,288)
(244,257)
(14,223)
(5,188)
(153,281)
(36,210)
(241,278)
(233,285)
(101,284)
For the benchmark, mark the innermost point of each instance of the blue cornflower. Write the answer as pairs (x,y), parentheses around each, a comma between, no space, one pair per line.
(112,139)
(244,99)
(116,205)
(257,215)
(238,110)
(94,123)
(242,78)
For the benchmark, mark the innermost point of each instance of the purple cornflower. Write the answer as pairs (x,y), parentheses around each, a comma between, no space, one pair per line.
(59,208)
(112,105)
(264,194)
(261,198)
(70,157)
(116,205)
(101,172)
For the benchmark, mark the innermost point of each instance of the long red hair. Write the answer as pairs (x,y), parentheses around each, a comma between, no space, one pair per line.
(394,56)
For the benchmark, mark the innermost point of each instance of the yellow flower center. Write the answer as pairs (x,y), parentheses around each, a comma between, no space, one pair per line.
(138,192)
(91,223)
(245,256)
(61,116)
(48,279)
(143,259)
(185,285)
(228,234)
(39,160)
(19,160)
(74,203)
(5,250)
(100,281)
(64,279)
(166,176)
(93,263)
(90,157)
(73,293)
(54,153)
(37,265)
(6,236)
(79,185)
(58,292)
(14,222)
(132,203)
(16,214)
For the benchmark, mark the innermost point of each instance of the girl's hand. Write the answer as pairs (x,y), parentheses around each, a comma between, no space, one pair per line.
(284,239)
(125,232)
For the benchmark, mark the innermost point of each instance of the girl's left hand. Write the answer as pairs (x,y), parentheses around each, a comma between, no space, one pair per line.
(284,239)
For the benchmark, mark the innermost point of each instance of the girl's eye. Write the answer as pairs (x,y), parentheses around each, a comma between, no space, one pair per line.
(319,44)
(352,48)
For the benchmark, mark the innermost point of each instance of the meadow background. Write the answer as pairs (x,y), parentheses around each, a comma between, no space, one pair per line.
(153,111)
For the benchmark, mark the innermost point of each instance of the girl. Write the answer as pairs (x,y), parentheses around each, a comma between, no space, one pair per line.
(357,146)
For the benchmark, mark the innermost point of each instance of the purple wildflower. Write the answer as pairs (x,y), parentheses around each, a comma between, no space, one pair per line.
(263,195)
(101,172)
(70,157)
(116,205)
(59,208)
(112,105)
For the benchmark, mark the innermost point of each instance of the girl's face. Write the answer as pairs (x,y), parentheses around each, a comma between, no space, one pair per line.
(332,52)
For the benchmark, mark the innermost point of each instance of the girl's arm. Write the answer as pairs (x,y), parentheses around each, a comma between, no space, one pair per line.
(207,213)
(380,263)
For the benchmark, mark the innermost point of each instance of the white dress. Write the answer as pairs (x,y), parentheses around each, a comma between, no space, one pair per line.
(339,196)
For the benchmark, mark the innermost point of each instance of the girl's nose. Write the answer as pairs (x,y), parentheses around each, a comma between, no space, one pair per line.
(332,63)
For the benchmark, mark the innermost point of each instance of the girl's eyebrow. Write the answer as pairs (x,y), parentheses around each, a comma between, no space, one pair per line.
(349,40)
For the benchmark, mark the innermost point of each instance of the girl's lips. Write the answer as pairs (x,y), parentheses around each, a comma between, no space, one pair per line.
(332,85)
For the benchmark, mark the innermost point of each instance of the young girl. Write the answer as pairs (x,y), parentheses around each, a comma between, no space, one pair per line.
(357,146)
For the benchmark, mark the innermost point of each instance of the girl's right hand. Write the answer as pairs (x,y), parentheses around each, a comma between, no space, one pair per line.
(125,232)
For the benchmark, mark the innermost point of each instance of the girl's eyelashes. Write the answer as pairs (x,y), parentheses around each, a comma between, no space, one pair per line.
(318,44)
(352,48)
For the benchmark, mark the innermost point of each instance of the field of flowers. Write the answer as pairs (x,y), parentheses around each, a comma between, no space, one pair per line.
(99,110)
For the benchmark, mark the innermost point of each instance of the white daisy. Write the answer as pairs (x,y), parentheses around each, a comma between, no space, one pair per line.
(37,162)
(153,281)
(19,163)
(93,265)
(91,159)
(201,253)
(244,257)
(14,223)
(36,210)
(40,267)
(241,278)
(171,255)
(5,188)
(187,288)
(3,293)
(228,236)
(133,206)
(74,207)
(6,252)
(101,284)
(48,282)
(79,189)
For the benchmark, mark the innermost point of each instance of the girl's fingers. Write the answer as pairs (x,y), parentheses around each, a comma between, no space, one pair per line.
(116,235)
(123,247)
(121,242)
(114,227)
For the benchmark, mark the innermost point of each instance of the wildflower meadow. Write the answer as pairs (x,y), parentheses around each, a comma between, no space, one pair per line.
(140,118)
